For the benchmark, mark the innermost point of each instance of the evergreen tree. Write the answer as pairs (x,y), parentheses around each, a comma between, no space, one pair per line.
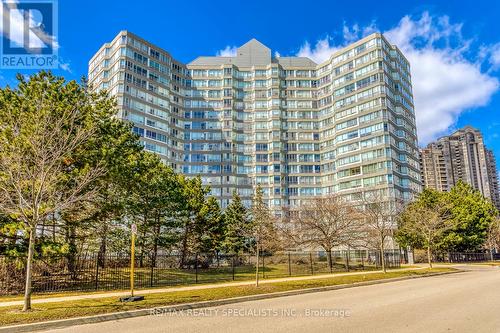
(236,226)
(155,197)
(470,217)
(210,233)
(45,122)
(193,218)
(458,220)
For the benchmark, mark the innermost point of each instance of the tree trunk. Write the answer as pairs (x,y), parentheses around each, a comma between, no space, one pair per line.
(185,244)
(143,240)
(257,267)
(101,255)
(382,256)
(329,258)
(155,245)
(72,250)
(347,259)
(142,250)
(29,263)
(429,256)
(54,226)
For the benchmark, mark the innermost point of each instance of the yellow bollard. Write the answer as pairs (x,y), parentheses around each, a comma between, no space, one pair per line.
(132,260)
(132,298)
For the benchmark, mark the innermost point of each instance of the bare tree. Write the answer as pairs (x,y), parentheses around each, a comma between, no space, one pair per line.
(43,124)
(379,213)
(325,222)
(493,236)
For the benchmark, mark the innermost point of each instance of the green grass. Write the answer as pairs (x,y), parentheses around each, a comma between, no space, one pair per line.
(173,277)
(59,310)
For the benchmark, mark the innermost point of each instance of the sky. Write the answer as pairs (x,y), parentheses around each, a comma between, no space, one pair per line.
(453,46)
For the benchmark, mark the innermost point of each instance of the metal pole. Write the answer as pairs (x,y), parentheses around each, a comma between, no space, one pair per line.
(132,264)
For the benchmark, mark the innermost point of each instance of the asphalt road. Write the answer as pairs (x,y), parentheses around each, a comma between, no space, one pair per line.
(464,302)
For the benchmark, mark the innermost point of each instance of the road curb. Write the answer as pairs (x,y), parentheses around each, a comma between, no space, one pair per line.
(62,323)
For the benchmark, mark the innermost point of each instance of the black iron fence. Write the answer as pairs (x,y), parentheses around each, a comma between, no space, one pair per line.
(112,272)
(458,257)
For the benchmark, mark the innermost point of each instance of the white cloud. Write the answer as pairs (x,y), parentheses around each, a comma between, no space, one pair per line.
(446,83)
(321,51)
(495,56)
(65,66)
(228,51)
(491,53)
(352,34)
(325,47)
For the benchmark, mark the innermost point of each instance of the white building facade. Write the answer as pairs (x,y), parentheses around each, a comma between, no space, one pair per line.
(297,128)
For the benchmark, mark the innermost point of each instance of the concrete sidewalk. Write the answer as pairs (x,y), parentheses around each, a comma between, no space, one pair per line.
(192,287)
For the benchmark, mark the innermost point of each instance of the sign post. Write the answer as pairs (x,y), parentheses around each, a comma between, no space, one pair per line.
(132,298)
(132,259)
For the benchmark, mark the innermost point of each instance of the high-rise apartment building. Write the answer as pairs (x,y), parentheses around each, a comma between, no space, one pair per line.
(460,156)
(298,128)
(433,167)
(491,166)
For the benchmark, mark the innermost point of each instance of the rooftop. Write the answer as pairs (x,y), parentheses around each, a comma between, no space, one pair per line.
(254,53)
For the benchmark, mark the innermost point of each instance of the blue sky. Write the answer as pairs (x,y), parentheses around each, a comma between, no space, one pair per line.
(453,46)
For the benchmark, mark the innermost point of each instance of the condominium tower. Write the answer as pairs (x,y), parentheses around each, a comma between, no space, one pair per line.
(460,156)
(298,128)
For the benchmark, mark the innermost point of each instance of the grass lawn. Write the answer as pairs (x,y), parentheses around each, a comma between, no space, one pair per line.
(59,310)
(118,280)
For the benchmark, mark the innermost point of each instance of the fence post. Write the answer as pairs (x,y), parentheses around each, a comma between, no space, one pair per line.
(151,274)
(196,267)
(289,265)
(311,261)
(232,265)
(97,273)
